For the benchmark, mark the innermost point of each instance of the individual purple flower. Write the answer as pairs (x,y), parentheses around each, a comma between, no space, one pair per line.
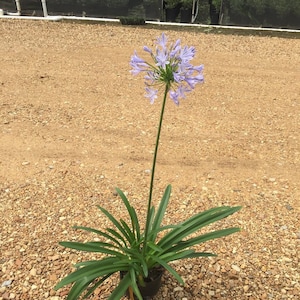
(171,67)
(187,53)
(147,49)
(162,59)
(138,64)
(162,41)
(174,96)
(175,49)
(151,94)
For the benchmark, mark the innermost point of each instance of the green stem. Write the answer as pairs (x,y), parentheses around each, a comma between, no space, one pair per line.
(153,168)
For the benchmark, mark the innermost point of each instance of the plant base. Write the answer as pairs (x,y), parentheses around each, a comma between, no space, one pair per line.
(152,284)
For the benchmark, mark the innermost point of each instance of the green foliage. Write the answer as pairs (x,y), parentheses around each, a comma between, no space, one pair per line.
(132,21)
(122,244)
(265,12)
(217,4)
(186,4)
(116,3)
(172,3)
(203,12)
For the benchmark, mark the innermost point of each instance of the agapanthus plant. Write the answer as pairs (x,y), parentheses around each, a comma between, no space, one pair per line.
(134,248)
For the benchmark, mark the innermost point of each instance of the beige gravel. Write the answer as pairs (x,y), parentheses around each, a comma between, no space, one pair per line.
(74,124)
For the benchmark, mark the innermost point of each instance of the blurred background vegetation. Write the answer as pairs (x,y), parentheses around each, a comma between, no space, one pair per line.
(259,13)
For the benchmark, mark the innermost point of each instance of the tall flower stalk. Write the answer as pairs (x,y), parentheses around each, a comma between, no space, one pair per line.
(153,169)
(171,69)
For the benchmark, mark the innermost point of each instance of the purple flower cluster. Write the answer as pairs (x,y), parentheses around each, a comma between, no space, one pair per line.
(171,68)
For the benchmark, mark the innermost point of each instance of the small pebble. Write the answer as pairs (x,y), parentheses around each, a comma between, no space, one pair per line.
(6,283)
(246,288)
(236,268)
(32,272)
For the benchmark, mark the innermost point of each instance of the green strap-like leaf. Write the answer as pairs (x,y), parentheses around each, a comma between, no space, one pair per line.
(101,233)
(161,210)
(117,235)
(135,255)
(121,289)
(195,223)
(116,223)
(154,247)
(85,263)
(199,254)
(131,234)
(204,238)
(171,256)
(132,213)
(153,233)
(168,268)
(151,218)
(94,287)
(80,286)
(134,285)
(92,271)
(77,289)
(90,247)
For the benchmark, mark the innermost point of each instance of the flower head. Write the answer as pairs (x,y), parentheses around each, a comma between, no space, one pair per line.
(171,67)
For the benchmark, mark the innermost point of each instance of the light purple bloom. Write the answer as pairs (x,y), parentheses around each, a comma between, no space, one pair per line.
(138,64)
(178,77)
(174,96)
(171,67)
(187,53)
(151,94)
(192,81)
(162,59)
(182,89)
(147,49)
(175,49)
(199,69)
(162,41)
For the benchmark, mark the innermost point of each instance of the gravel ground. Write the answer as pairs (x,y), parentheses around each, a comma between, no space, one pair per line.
(74,124)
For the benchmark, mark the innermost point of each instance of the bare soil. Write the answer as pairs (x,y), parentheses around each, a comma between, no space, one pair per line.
(74,124)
